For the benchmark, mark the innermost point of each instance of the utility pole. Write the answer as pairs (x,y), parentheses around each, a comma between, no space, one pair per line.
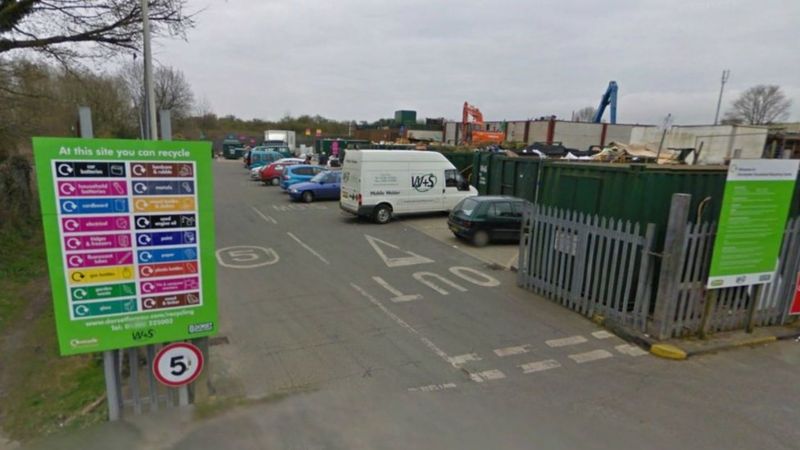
(152,129)
(725,75)
(667,125)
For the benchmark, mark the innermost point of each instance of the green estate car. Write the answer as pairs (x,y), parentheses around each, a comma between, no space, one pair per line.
(485,219)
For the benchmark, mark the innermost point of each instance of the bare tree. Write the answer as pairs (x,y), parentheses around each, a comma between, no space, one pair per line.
(585,114)
(759,105)
(57,28)
(172,90)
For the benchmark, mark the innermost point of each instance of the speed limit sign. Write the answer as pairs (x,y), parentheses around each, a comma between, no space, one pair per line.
(178,364)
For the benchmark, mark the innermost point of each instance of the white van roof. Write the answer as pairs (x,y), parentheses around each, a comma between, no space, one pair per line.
(395,155)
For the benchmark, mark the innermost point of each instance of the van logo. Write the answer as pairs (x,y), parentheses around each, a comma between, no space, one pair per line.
(423,183)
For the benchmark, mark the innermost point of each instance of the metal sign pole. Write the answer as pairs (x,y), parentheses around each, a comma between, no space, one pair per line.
(109,356)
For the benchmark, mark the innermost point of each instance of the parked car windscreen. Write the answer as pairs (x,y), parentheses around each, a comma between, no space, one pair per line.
(468,206)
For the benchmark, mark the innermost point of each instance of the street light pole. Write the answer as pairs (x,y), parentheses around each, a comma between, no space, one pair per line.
(152,129)
(725,75)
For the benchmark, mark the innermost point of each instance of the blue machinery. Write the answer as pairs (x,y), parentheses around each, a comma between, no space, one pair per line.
(609,98)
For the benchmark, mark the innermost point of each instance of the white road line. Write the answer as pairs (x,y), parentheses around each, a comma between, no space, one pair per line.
(563,342)
(539,366)
(508,351)
(593,355)
(321,258)
(487,375)
(602,334)
(433,387)
(266,218)
(630,350)
(428,343)
(411,260)
(461,359)
(399,297)
(514,259)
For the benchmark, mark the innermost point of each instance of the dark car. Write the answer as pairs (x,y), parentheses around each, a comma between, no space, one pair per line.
(484,219)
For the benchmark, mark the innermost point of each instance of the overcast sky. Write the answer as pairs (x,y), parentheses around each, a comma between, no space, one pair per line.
(364,59)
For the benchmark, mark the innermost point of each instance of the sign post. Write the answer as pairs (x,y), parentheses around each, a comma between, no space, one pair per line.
(129,231)
(755,206)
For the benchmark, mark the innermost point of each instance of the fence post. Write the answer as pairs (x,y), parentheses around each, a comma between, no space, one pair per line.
(671,264)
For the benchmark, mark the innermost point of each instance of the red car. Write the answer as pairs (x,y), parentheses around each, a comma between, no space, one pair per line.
(271,173)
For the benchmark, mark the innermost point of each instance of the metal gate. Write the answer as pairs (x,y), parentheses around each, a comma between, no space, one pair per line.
(590,264)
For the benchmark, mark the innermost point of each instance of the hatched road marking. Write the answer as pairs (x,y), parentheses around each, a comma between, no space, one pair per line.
(593,355)
(630,350)
(602,334)
(563,342)
(508,351)
(487,375)
(539,366)
(461,359)
(433,387)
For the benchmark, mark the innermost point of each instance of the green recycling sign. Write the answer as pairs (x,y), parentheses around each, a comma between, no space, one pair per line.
(129,231)
(755,206)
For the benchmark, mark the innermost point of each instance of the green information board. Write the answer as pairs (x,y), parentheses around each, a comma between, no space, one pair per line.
(758,193)
(129,230)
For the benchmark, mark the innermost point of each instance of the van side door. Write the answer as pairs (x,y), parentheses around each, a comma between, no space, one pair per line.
(427,190)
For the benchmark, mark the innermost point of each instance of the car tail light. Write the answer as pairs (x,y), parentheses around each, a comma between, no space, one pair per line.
(358,199)
(286,177)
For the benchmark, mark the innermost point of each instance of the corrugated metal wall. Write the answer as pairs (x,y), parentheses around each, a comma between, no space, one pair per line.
(636,192)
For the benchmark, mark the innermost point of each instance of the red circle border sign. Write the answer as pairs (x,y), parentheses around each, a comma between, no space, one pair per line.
(191,347)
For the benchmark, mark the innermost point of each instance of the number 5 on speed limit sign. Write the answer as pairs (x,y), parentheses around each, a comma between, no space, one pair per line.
(178,364)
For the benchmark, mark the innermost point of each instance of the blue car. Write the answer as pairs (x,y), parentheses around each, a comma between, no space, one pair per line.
(298,174)
(324,186)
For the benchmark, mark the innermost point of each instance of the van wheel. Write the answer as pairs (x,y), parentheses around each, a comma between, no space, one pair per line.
(480,238)
(308,196)
(275,181)
(383,214)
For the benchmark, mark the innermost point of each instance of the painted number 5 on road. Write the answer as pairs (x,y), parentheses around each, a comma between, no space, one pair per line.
(178,364)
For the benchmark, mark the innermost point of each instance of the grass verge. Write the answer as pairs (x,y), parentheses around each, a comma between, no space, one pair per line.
(40,391)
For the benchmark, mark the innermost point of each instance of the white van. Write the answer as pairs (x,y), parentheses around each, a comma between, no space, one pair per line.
(381,183)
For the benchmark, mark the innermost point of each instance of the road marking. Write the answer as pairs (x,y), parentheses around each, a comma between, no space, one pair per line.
(411,260)
(428,343)
(630,350)
(266,218)
(433,387)
(321,258)
(487,375)
(593,355)
(420,276)
(399,297)
(461,359)
(602,334)
(540,366)
(508,351)
(563,342)
(514,259)
(484,280)
(246,256)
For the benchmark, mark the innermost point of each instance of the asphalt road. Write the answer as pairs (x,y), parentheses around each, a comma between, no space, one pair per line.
(343,334)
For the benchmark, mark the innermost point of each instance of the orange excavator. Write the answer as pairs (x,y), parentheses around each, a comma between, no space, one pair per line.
(471,132)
